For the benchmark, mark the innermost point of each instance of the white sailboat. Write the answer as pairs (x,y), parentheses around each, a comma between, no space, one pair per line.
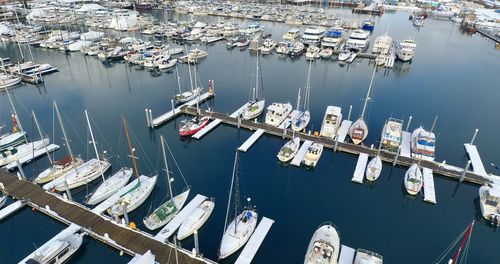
(255,106)
(186,96)
(324,246)
(374,167)
(110,185)
(12,154)
(196,219)
(140,190)
(289,150)
(300,121)
(414,179)
(239,231)
(18,135)
(168,210)
(60,167)
(359,130)
(331,122)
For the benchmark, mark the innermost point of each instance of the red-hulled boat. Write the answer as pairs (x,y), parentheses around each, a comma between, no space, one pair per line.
(191,126)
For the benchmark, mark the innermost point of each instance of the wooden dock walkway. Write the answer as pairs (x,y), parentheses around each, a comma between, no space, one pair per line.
(120,237)
(438,168)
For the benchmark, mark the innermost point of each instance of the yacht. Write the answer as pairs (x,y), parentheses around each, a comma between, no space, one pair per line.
(313,154)
(312,53)
(196,219)
(292,35)
(423,144)
(230,30)
(413,180)
(268,46)
(289,150)
(344,55)
(313,36)
(382,44)
(252,29)
(358,41)
(194,56)
(489,198)
(333,39)
(418,21)
(277,113)
(406,49)
(364,256)
(331,122)
(58,251)
(189,127)
(326,53)
(284,48)
(392,135)
(297,49)
(324,246)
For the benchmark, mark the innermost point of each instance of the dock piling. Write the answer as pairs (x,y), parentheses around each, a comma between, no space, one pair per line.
(336,143)
(284,133)
(409,122)
(465,171)
(173,105)
(151,118)
(239,120)
(68,192)
(125,215)
(349,115)
(147,118)
(196,243)
(474,136)
(20,168)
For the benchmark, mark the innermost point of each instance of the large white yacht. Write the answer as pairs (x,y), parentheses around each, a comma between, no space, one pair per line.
(489,199)
(358,41)
(313,36)
(423,144)
(292,34)
(406,49)
(392,134)
(59,251)
(277,113)
(333,39)
(331,122)
(324,246)
(382,44)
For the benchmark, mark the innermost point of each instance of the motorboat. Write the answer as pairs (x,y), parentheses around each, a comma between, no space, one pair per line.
(418,21)
(110,186)
(489,199)
(194,56)
(382,45)
(277,113)
(58,251)
(313,36)
(59,168)
(166,212)
(368,26)
(364,256)
(406,50)
(297,49)
(326,53)
(289,150)
(423,144)
(414,179)
(344,55)
(358,41)
(392,135)
(312,52)
(284,48)
(291,35)
(331,122)
(167,64)
(268,46)
(313,155)
(324,247)
(196,219)
(333,39)
(252,28)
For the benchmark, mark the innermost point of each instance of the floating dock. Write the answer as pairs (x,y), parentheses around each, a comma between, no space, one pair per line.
(287,122)
(11,208)
(169,229)
(359,172)
(216,122)
(172,113)
(37,153)
(246,256)
(405,145)
(477,164)
(251,140)
(346,255)
(297,160)
(429,191)
(343,130)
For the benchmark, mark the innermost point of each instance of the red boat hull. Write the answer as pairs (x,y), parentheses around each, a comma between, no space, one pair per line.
(185,132)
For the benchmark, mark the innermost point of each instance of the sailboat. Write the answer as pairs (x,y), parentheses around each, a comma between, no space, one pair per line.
(374,167)
(196,219)
(462,251)
(413,179)
(140,190)
(324,246)
(289,150)
(186,96)
(168,210)
(80,175)
(238,232)
(255,106)
(110,185)
(15,153)
(18,135)
(3,199)
(359,130)
(300,121)
(59,167)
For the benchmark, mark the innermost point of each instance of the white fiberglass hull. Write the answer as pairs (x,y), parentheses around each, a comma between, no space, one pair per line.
(289,150)
(313,155)
(134,197)
(489,210)
(56,171)
(331,122)
(3,199)
(166,212)
(23,150)
(413,179)
(358,131)
(253,109)
(237,233)
(110,186)
(196,219)
(374,168)
(84,174)
(325,238)
(12,139)
(301,121)
(277,113)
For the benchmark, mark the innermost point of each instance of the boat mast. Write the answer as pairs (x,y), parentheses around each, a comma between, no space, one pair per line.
(41,136)
(18,122)
(256,91)
(163,143)
(230,191)
(189,70)
(308,87)
(368,93)
(298,100)
(178,78)
(124,124)
(64,132)
(93,143)
(466,238)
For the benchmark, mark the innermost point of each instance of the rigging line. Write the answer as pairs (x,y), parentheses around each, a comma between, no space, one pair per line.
(105,141)
(447,250)
(176,164)
(20,103)
(67,121)
(148,161)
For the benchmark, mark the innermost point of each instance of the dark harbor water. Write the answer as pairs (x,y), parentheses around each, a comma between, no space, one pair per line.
(454,76)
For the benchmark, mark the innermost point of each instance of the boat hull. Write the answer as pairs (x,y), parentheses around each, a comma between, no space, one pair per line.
(196,220)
